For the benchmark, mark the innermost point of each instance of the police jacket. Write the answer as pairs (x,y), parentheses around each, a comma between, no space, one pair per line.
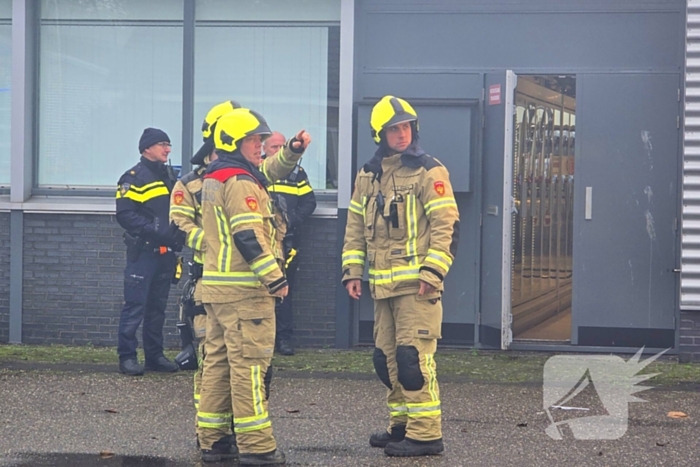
(240,228)
(186,210)
(143,203)
(299,202)
(403,223)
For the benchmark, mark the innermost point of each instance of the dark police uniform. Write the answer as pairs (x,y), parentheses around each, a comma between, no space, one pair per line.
(143,205)
(300,204)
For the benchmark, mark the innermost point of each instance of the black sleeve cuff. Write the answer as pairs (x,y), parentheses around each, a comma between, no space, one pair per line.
(298,150)
(433,272)
(277,285)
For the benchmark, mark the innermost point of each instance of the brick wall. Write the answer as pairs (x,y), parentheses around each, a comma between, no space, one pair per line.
(689,337)
(73,282)
(4,276)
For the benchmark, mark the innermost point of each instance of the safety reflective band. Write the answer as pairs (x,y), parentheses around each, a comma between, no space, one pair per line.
(300,189)
(424,409)
(182,210)
(440,203)
(194,238)
(398,409)
(281,159)
(196,401)
(256,385)
(264,265)
(439,258)
(353,257)
(248,218)
(432,377)
(257,422)
(355,207)
(224,240)
(397,274)
(144,193)
(242,279)
(214,420)
(411,229)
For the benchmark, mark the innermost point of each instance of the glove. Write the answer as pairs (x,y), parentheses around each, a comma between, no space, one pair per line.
(177,237)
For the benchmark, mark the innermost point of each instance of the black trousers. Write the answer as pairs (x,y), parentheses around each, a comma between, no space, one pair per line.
(283,309)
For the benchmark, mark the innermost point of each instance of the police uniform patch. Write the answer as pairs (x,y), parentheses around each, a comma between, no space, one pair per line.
(439,188)
(178,197)
(252,203)
(124,187)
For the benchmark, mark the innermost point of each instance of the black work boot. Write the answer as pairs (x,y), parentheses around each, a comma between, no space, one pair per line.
(221,450)
(130,367)
(161,364)
(230,439)
(285,347)
(275,457)
(413,448)
(382,438)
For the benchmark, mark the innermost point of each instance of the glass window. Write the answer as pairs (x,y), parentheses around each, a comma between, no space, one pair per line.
(108,69)
(280,59)
(5,79)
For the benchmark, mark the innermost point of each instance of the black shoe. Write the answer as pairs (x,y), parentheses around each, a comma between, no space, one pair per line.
(220,450)
(413,448)
(161,364)
(381,439)
(275,457)
(130,367)
(285,348)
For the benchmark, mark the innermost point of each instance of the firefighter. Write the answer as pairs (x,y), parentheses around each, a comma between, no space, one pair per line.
(300,202)
(186,212)
(242,276)
(403,222)
(143,199)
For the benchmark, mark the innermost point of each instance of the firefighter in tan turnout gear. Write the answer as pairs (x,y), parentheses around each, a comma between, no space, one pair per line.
(403,223)
(186,213)
(242,276)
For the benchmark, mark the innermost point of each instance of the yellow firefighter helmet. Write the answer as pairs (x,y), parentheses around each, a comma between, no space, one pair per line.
(236,125)
(389,111)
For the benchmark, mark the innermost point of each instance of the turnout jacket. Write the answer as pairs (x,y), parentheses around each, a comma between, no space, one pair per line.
(240,230)
(143,199)
(403,223)
(186,211)
(299,202)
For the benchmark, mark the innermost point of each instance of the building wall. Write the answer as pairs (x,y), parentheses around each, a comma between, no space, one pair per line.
(73,283)
(4,276)
(689,339)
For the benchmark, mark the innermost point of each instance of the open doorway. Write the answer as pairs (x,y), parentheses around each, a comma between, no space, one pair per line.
(543,187)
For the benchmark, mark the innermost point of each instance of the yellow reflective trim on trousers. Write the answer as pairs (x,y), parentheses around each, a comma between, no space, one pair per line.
(224,240)
(439,203)
(147,196)
(439,258)
(355,207)
(248,218)
(256,386)
(353,257)
(412,229)
(265,265)
(183,210)
(254,423)
(424,409)
(397,409)
(432,376)
(214,420)
(241,279)
(194,238)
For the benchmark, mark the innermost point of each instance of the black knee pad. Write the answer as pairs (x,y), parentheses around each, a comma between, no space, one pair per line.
(408,362)
(379,360)
(267,380)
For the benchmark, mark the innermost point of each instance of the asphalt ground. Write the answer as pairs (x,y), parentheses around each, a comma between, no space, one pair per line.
(66,415)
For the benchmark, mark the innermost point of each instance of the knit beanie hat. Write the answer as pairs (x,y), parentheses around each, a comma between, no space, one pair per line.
(150,137)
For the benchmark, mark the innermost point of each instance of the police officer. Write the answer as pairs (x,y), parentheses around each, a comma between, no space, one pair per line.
(143,199)
(403,222)
(241,279)
(186,213)
(300,202)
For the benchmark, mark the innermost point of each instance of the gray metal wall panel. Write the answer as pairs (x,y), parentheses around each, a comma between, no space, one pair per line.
(4,276)
(423,85)
(690,250)
(627,151)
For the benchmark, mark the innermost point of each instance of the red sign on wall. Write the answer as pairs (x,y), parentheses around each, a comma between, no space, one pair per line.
(494,94)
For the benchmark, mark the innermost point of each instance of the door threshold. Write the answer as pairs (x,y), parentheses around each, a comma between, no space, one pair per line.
(541,342)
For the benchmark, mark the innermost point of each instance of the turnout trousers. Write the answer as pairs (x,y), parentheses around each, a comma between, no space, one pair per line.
(406,330)
(239,344)
(199,323)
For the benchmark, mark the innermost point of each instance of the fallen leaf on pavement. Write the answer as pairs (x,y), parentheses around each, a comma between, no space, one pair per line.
(292,410)
(111,411)
(678,415)
(106,454)
(661,443)
(522,425)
